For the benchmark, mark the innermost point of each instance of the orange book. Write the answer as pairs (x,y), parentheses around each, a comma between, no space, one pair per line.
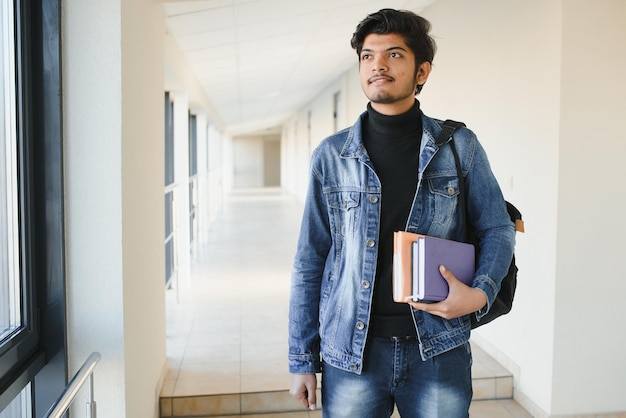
(403,265)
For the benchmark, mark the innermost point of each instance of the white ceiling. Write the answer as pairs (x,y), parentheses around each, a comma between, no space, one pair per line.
(262,60)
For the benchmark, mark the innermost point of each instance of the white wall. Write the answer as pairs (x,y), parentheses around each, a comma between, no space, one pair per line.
(114,199)
(93,176)
(142,205)
(589,305)
(539,83)
(217,162)
(271,161)
(296,154)
(247,162)
(256,160)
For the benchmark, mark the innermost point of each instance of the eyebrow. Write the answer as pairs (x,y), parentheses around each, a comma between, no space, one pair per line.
(391,48)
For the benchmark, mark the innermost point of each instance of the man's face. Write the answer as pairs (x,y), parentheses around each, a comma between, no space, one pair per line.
(388,73)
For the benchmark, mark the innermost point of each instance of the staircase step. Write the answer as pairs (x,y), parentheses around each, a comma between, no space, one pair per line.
(491,382)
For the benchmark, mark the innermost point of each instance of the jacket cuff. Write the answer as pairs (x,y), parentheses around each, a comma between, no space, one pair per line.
(304,364)
(490,289)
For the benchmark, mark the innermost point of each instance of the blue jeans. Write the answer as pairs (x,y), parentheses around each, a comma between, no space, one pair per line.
(394,373)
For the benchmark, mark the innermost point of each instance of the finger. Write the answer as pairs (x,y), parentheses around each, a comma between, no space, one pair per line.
(312,399)
(448,275)
(302,398)
(419,306)
(426,307)
(437,308)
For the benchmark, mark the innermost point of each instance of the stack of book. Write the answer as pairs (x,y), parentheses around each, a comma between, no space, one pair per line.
(416,262)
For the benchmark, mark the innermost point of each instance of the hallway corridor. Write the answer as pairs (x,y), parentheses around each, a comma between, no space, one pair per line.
(227,324)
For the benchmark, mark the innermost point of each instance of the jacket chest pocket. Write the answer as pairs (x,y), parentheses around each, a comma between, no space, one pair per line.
(444,197)
(343,211)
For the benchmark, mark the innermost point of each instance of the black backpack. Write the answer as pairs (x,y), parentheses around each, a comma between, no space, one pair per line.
(504,299)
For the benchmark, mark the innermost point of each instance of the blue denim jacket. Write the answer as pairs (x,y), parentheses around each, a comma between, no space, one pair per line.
(335,262)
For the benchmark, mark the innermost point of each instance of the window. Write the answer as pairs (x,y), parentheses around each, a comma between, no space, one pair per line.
(193,145)
(170,260)
(170,264)
(10,286)
(169,139)
(193,176)
(18,329)
(20,406)
(32,293)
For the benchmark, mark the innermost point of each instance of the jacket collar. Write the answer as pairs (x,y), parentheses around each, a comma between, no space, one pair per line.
(353,147)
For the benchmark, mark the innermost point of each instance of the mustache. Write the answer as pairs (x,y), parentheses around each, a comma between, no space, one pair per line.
(378,77)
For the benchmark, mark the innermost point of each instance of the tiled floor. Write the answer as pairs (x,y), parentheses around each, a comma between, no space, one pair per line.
(226,324)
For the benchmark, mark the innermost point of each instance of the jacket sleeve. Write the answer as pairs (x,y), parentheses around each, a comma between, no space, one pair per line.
(495,233)
(311,254)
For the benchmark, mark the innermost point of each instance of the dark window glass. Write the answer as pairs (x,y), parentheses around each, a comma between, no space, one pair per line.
(193,145)
(169,139)
(32,294)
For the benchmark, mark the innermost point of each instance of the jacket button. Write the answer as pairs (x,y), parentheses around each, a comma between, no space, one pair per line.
(450,191)
(370,243)
(374,199)
(353,367)
(366,284)
(360,326)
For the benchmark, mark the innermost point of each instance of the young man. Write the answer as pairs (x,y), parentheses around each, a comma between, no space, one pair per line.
(385,174)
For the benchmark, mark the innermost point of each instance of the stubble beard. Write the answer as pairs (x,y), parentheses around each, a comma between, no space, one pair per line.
(388,98)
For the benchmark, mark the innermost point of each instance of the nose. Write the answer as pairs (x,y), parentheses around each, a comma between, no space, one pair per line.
(380,65)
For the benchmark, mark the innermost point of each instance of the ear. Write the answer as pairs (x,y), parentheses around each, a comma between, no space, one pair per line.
(422,73)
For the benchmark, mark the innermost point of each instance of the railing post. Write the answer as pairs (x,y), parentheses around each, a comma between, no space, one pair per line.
(91,404)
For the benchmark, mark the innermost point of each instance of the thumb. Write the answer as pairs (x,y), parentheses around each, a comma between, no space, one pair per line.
(312,397)
(447,274)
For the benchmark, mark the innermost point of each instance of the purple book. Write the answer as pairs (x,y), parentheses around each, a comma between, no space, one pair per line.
(428,254)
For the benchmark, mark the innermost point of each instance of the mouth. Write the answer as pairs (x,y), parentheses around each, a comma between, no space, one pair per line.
(379,78)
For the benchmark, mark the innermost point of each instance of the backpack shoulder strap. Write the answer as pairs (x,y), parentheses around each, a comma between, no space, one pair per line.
(448,128)
(445,136)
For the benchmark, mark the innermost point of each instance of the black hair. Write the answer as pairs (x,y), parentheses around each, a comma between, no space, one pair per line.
(415,30)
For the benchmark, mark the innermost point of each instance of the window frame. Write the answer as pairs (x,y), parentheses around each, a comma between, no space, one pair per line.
(170,185)
(36,357)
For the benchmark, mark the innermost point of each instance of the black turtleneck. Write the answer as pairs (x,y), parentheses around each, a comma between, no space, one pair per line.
(392,143)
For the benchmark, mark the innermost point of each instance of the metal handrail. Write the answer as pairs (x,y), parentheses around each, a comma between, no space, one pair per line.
(71,390)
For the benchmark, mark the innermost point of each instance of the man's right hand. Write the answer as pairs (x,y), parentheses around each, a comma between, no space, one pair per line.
(304,389)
